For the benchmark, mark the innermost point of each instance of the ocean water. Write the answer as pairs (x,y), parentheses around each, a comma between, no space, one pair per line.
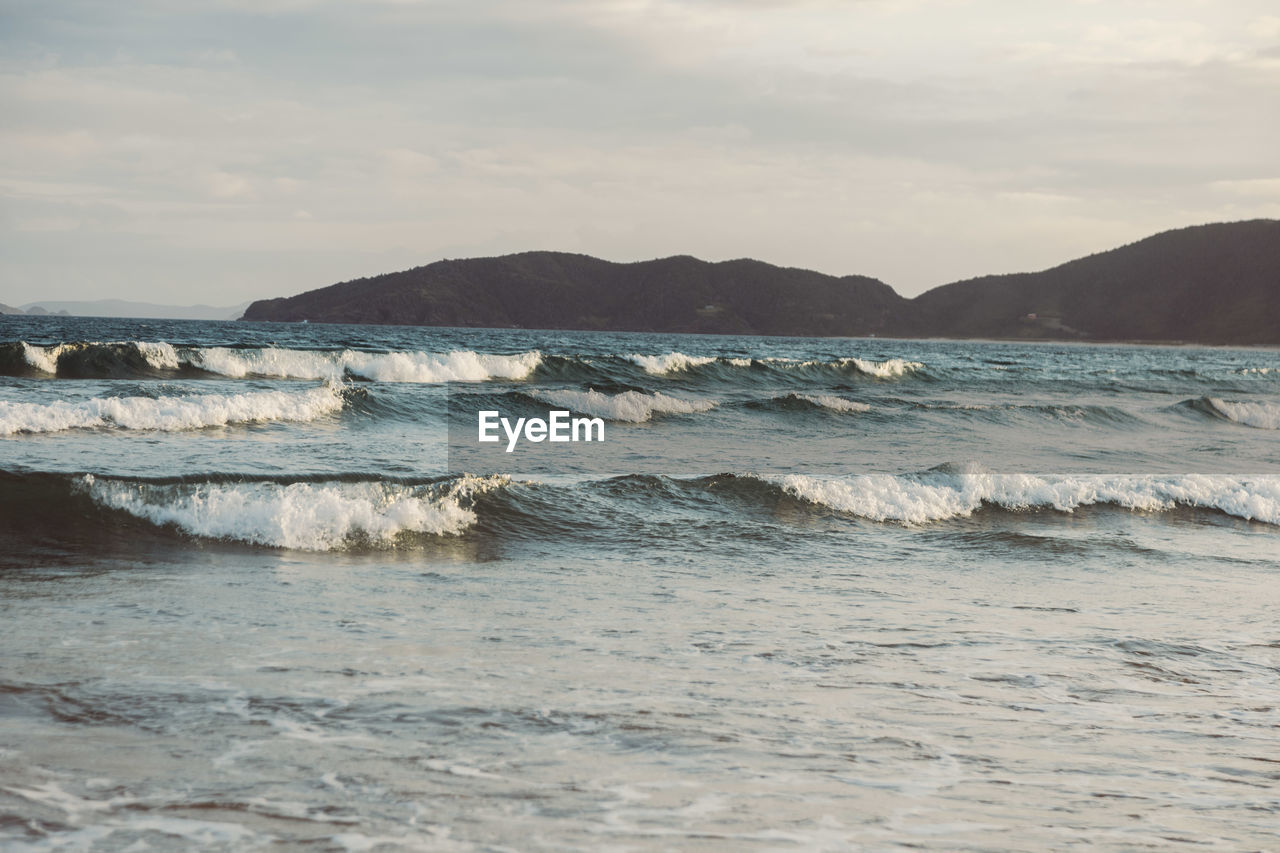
(261,588)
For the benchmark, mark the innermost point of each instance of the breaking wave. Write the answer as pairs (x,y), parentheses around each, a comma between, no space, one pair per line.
(674,362)
(312,516)
(811,402)
(142,359)
(1001,412)
(828,401)
(89,359)
(355,512)
(889,369)
(1258,415)
(918,499)
(169,413)
(678,362)
(629,406)
(457,366)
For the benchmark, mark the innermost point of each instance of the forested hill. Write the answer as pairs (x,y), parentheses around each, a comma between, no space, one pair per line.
(1210,284)
(554,290)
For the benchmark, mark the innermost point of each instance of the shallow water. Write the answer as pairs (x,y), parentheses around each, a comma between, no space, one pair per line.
(948,596)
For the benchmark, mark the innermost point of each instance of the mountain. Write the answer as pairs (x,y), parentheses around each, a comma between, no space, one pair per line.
(144,310)
(1209,284)
(9,309)
(1215,283)
(553,290)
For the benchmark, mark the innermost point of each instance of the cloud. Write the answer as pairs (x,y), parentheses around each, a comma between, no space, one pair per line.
(1265,27)
(225,185)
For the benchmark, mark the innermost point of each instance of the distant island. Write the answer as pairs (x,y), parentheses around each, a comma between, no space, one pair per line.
(125,308)
(1215,283)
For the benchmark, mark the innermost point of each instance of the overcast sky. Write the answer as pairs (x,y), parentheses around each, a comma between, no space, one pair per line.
(218,151)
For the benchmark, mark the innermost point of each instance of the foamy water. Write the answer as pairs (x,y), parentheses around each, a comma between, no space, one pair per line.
(169,413)
(672,362)
(922,499)
(835,404)
(1264,415)
(308,516)
(287,363)
(887,369)
(629,406)
(457,366)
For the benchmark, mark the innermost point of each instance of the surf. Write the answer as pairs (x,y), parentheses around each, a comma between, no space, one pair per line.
(170,414)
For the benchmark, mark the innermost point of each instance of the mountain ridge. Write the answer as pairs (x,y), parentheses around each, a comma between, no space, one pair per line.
(564,290)
(128,308)
(1216,283)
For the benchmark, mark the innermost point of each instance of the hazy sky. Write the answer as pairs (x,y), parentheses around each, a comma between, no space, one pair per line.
(198,151)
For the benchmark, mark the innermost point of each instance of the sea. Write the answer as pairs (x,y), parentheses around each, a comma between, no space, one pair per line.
(262,587)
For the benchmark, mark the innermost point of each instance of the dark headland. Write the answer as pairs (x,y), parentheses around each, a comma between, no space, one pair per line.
(1214,284)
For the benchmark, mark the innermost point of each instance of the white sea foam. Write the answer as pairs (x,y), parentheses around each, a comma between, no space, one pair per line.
(1257,415)
(53,796)
(159,354)
(320,516)
(460,365)
(116,818)
(629,406)
(195,834)
(835,404)
(672,362)
(268,361)
(424,367)
(675,362)
(169,413)
(888,369)
(918,500)
(42,358)
(450,367)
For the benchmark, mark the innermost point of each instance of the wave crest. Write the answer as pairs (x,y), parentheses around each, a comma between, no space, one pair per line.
(935,497)
(422,367)
(829,401)
(678,362)
(629,406)
(888,369)
(311,516)
(41,358)
(92,359)
(1252,414)
(169,413)
(672,362)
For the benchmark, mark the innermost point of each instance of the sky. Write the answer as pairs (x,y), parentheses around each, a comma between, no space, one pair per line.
(218,151)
